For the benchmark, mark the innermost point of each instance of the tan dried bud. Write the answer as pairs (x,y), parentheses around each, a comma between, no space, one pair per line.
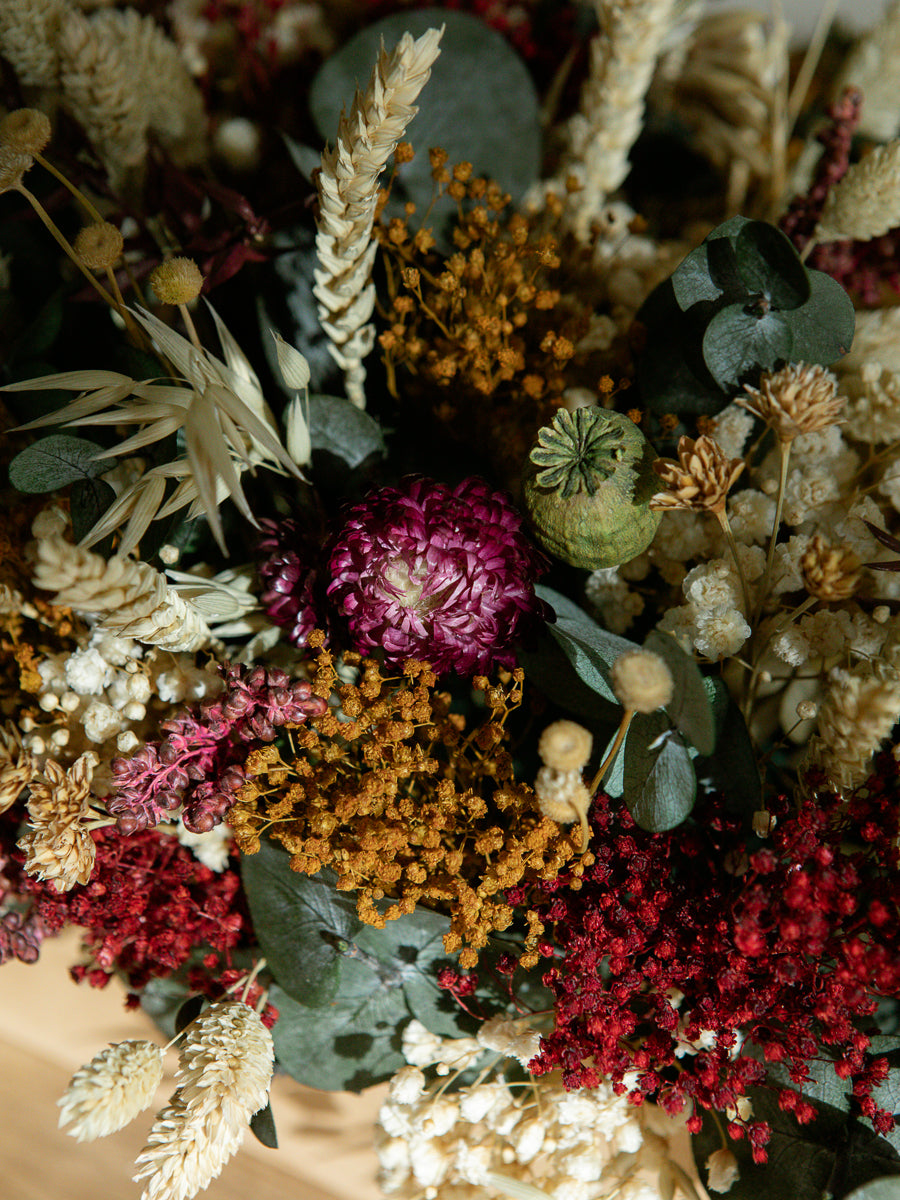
(565,745)
(13,166)
(831,573)
(98,246)
(807,710)
(763,823)
(176,281)
(800,398)
(25,131)
(404,153)
(641,681)
(701,479)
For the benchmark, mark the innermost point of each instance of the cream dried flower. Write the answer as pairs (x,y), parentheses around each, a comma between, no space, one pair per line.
(799,398)
(228,428)
(641,681)
(701,479)
(183,1155)
(176,281)
(830,573)
(565,745)
(29,30)
(348,192)
(57,844)
(107,1093)
(226,1061)
(722,1168)
(860,708)
(225,1069)
(866,202)
(17,766)
(131,597)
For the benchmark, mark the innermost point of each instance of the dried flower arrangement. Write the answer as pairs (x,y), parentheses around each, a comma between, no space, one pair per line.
(493,686)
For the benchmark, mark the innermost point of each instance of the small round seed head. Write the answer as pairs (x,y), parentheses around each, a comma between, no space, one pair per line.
(99,245)
(561,795)
(641,681)
(831,573)
(13,166)
(176,281)
(565,745)
(25,131)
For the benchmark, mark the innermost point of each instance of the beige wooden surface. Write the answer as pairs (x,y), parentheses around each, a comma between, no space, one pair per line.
(49,1026)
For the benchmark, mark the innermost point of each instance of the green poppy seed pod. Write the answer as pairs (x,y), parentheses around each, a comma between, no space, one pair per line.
(587,487)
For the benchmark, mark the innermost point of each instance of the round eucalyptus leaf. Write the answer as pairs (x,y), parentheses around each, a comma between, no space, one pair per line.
(738,343)
(659,785)
(55,461)
(479,104)
(822,329)
(770,266)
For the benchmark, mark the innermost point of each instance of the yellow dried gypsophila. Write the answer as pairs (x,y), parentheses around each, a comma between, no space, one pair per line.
(404,802)
(485,320)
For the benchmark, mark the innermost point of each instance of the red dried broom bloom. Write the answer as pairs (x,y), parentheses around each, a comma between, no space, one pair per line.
(436,573)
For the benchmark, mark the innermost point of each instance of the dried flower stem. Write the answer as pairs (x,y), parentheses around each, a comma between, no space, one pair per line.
(614,749)
(722,517)
(62,241)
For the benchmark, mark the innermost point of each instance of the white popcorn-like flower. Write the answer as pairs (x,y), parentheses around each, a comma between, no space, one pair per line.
(109,1092)
(429,1163)
(421,1048)
(713,585)
(721,632)
(210,848)
(473,1164)
(873,408)
(507,1037)
(731,428)
(436,1119)
(528,1140)
(477,1102)
(751,515)
(101,721)
(616,603)
(683,535)
(407,1085)
(87,672)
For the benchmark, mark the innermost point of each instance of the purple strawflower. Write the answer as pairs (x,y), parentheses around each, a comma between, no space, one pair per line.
(436,573)
(288,575)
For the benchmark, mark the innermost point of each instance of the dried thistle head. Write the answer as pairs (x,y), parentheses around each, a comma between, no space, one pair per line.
(641,681)
(700,479)
(25,131)
(799,398)
(99,245)
(830,573)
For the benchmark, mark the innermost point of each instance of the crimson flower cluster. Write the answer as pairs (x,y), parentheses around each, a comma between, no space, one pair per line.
(682,948)
(198,763)
(148,906)
(288,575)
(436,573)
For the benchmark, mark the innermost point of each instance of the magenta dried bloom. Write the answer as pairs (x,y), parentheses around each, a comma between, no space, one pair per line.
(442,574)
(288,575)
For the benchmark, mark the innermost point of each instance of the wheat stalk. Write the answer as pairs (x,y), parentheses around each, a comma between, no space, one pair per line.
(348,192)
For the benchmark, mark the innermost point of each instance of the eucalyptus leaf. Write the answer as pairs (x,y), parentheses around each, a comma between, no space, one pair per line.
(88,501)
(262,1125)
(733,769)
(302,923)
(886,1188)
(548,668)
(690,709)
(823,328)
(347,1046)
(56,461)
(830,1156)
(590,649)
(189,1011)
(659,784)
(480,104)
(770,266)
(738,342)
(337,427)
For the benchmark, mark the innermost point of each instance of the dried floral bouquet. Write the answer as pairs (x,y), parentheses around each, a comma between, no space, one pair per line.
(449,580)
